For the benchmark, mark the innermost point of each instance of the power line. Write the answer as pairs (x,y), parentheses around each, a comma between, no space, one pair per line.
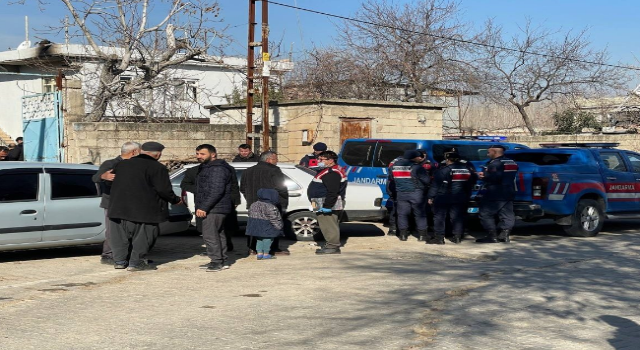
(464,41)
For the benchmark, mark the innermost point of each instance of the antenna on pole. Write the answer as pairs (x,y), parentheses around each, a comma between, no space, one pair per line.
(26,43)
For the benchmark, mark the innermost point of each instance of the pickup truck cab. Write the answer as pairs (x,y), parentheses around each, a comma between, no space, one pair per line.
(577,185)
(367,160)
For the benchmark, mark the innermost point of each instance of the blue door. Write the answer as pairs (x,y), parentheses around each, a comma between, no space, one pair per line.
(619,182)
(42,127)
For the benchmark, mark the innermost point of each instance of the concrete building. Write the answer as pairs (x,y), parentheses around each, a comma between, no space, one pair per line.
(296,125)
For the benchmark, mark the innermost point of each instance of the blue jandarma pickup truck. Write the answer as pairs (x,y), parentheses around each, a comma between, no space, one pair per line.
(579,185)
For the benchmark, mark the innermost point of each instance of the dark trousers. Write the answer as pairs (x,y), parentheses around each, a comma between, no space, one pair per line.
(214,238)
(132,240)
(412,203)
(392,207)
(502,209)
(106,247)
(231,227)
(448,213)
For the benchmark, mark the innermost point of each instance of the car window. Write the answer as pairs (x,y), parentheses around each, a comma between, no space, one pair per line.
(386,152)
(18,187)
(613,161)
(474,152)
(65,186)
(358,153)
(177,179)
(635,161)
(541,158)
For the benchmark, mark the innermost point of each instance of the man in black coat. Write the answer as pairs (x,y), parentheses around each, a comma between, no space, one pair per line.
(213,203)
(245,154)
(137,205)
(104,178)
(266,174)
(189,184)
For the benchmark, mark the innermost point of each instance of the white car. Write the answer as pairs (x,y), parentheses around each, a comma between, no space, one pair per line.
(363,201)
(47,205)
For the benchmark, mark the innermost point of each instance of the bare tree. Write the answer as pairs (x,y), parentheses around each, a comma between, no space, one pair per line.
(539,65)
(392,51)
(143,42)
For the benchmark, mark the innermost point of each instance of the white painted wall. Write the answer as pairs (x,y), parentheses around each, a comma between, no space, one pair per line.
(12,88)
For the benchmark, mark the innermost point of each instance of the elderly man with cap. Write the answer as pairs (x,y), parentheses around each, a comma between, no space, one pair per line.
(496,196)
(137,205)
(311,160)
(449,194)
(411,181)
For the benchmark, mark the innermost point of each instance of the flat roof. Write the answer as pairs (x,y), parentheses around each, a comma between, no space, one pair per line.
(371,103)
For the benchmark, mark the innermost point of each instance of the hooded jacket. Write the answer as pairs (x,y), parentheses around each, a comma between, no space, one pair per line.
(265,219)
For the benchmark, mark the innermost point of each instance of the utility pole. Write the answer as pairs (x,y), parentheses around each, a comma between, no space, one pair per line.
(251,70)
(266,72)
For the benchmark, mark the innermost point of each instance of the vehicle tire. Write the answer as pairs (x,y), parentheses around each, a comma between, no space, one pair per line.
(304,226)
(587,220)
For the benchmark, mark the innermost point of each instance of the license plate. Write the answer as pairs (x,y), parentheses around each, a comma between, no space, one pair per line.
(473,210)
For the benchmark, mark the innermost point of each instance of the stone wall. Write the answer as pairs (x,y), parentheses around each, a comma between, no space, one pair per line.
(97,142)
(627,141)
(322,120)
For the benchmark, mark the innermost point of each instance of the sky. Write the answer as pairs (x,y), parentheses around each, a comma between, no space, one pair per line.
(612,24)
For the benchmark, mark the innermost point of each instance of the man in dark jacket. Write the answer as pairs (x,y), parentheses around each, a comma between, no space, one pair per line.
(449,194)
(327,193)
(245,154)
(137,205)
(266,174)
(213,203)
(104,178)
(496,196)
(411,182)
(16,154)
(189,184)
(311,160)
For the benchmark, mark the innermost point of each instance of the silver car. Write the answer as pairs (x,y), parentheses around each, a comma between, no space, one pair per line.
(45,205)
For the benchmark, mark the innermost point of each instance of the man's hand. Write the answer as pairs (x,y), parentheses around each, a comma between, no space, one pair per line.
(108,175)
(201,213)
(181,202)
(480,174)
(430,201)
(324,211)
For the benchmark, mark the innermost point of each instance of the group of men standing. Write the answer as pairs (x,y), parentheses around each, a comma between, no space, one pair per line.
(416,187)
(13,152)
(136,190)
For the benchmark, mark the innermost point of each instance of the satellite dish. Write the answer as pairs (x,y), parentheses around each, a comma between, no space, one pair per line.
(24,45)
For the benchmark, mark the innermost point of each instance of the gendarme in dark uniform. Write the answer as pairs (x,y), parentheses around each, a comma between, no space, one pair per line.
(449,194)
(496,195)
(410,180)
(137,205)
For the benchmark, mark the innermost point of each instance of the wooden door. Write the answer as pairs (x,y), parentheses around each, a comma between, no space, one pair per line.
(354,129)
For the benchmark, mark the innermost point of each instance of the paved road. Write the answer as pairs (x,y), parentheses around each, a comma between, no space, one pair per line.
(544,291)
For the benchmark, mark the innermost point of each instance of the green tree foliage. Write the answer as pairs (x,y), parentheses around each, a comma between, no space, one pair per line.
(572,121)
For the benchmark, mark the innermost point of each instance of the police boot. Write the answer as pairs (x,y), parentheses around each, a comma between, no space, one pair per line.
(490,238)
(403,235)
(457,239)
(392,232)
(432,238)
(423,236)
(439,239)
(504,236)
